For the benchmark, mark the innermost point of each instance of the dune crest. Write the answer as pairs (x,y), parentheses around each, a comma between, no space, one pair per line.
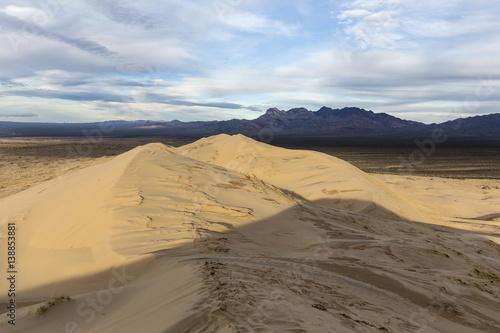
(231,235)
(318,177)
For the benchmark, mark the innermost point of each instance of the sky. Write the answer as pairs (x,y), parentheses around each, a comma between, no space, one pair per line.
(97,60)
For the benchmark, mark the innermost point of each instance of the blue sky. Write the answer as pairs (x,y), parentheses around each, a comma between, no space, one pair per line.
(95,60)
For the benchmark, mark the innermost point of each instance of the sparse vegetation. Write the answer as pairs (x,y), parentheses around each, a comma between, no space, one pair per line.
(485,274)
(49,304)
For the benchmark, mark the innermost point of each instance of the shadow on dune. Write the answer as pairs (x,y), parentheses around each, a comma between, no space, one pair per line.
(368,208)
(360,268)
(489,217)
(352,205)
(355,268)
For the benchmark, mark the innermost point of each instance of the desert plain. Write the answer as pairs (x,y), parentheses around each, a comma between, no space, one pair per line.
(227,234)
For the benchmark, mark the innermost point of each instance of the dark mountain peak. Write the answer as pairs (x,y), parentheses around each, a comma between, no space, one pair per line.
(325,108)
(326,122)
(484,124)
(291,119)
(271,114)
(354,109)
(326,112)
(298,110)
(479,118)
(294,111)
(273,111)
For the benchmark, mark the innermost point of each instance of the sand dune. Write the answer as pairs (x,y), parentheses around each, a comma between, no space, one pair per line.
(231,235)
(314,176)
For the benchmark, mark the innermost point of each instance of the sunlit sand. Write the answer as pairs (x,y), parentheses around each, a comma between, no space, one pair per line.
(232,235)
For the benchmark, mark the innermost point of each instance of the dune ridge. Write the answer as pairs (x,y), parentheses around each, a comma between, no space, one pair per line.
(232,235)
(312,175)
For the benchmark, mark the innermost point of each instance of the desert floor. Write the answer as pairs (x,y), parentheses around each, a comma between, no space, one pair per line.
(227,234)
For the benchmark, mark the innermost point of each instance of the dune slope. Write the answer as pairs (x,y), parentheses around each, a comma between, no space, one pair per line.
(231,235)
(315,176)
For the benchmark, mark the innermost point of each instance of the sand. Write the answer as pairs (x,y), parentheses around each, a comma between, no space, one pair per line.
(231,235)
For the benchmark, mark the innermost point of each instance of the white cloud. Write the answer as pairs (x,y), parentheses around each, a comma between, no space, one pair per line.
(355,13)
(369,28)
(374,4)
(387,55)
(257,23)
(23,13)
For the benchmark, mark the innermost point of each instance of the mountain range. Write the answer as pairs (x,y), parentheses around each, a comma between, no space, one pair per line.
(298,122)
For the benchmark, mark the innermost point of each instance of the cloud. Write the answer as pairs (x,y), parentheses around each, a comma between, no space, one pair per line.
(355,13)
(367,27)
(258,24)
(25,29)
(125,15)
(8,83)
(396,23)
(18,115)
(162,99)
(190,59)
(373,4)
(221,105)
(129,98)
(23,13)
(71,96)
